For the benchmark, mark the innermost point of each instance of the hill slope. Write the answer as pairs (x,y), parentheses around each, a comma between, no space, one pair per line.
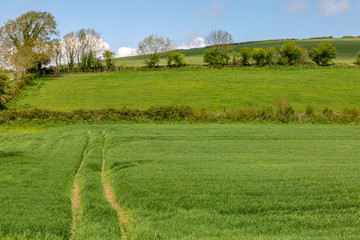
(346,50)
(201,88)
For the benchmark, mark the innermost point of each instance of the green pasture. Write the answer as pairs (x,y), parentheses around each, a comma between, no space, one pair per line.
(183,182)
(347,49)
(201,88)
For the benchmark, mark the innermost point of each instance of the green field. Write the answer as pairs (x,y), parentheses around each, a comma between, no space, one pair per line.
(201,88)
(347,49)
(182,182)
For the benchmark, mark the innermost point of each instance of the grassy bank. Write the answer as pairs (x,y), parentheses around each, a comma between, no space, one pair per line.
(208,89)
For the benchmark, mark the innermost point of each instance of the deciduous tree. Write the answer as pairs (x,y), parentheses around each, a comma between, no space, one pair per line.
(25,39)
(153,47)
(219,40)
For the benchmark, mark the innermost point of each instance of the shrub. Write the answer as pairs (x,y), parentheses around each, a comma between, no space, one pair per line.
(236,59)
(216,58)
(304,56)
(175,59)
(259,56)
(152,60)
(357,58)
(109,60)
(289,54)
(245,56)
(323,54)
(4,84)
(285,111)
(269,56)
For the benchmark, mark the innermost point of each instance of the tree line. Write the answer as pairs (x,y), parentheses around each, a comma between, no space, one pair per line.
(289,53)
(29,43)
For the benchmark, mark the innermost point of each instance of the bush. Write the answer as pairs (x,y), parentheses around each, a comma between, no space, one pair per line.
(245,56)
(289,54)
(109,60)
(357,58)
(152,60)
(269,56)
(4,84)
(259,56)
(216,58)
(236,59)
(323,54)
(304,56)
(175,59)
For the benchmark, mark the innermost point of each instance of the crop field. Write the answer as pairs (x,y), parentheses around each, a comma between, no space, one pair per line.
(346,51)
(334,87)
(181,182)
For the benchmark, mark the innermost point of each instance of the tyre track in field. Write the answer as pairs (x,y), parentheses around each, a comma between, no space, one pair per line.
(109,194)
(75,197)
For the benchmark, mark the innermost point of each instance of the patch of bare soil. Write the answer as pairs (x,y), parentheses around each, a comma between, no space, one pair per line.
(109,194)
(75,197)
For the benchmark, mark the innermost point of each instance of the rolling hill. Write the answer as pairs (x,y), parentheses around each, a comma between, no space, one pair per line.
(346,50)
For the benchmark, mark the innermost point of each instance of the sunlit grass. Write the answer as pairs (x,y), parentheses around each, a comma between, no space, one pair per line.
(201,88)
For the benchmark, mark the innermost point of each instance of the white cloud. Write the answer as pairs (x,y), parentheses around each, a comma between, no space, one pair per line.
(195,43)
(298,6)
(333,7)
(215,10)
(126,52)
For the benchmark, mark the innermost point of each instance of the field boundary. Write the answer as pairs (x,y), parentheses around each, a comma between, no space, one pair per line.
(109,193)
(75,197)
(284,113)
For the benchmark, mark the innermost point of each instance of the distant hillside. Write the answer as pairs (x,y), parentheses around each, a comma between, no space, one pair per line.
(346,50)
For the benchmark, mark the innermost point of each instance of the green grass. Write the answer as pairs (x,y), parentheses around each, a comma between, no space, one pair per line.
(201,88)
(184,182)
(36,176)
(237,181)
(346,51)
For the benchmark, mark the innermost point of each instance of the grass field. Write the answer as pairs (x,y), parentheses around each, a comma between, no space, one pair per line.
(183,182)
(334,87)
(346,51)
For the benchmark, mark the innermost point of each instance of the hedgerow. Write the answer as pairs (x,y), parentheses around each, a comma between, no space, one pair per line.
(284,113)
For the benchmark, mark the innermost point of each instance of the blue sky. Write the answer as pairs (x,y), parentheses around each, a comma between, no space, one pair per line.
(124,23)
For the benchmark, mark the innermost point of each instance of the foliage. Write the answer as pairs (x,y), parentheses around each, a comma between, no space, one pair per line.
(152,47)
(289,54)
(323,54)
(109,60)
(178,113)
(304,56)
(216,58)
(26,41)
(357,58)
(4,84)
(259,56)
(269,56)
(246,55)
(175,59)
(219,40)
(235,59)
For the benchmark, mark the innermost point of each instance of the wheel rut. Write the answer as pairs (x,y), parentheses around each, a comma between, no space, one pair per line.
(75,197)
(109,194)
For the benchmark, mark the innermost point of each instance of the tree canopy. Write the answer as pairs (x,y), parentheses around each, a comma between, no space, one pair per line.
(26,39)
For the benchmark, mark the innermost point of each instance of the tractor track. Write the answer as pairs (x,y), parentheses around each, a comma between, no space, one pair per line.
(75,197)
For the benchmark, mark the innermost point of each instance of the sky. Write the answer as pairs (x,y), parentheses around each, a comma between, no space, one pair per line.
(124,23)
